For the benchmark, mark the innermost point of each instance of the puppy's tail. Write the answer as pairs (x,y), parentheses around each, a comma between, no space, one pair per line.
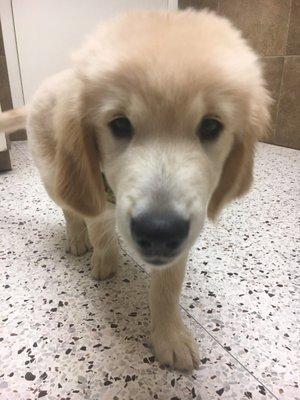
(13,120)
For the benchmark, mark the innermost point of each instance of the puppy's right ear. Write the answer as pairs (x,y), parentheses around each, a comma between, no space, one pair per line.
(78,180)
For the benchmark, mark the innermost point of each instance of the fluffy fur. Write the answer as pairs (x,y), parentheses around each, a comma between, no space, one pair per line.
(165,71)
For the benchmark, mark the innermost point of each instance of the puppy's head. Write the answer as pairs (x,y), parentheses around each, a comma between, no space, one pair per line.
(177,103)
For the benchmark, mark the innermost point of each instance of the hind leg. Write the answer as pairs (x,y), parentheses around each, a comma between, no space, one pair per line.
(77,234)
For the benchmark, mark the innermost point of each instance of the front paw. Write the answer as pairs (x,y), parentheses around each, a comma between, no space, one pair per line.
(105,262)
(78,245)
(175,347)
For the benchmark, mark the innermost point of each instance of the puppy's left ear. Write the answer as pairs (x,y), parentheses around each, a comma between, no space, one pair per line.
(236,177)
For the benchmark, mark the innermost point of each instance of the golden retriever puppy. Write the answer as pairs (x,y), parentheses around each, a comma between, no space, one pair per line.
(169,105)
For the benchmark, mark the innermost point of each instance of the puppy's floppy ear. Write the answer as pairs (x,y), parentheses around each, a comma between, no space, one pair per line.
(78,184)
(236,177)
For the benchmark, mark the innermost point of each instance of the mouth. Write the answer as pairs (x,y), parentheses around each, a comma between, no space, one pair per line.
(158,261)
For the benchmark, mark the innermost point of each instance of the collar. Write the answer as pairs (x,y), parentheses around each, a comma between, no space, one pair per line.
(110,197)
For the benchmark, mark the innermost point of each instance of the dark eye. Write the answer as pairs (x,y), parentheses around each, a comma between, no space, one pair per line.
(121,128)
(209,129)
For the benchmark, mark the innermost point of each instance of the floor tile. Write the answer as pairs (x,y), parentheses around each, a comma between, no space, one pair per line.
(243,279)
(64,335)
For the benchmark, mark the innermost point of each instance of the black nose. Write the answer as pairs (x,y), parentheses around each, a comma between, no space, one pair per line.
(159,234)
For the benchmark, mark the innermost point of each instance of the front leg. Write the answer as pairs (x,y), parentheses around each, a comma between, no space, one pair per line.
(77,236)
(103,237)
(173,343)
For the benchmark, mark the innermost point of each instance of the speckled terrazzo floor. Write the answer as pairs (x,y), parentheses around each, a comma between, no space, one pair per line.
(65,336)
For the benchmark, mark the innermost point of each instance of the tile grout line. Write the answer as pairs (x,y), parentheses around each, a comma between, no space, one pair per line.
(228,352)
(288,27)
(215,339)
(279,56)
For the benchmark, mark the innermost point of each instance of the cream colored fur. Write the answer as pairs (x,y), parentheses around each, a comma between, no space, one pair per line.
(165,71)
(13,120)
